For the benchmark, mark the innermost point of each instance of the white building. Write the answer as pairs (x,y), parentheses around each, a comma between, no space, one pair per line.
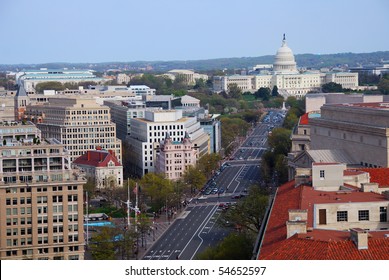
(30,78)
(286,77)
(188,76)
(148,132)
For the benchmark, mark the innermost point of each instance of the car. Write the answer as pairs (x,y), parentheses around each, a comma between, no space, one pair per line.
(214,191)
(213,184)
(221,190)
(222,205)
(236,196)
(240,158)
(208,191)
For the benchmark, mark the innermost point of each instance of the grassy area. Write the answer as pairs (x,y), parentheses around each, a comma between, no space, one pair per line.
(248,97)
(110,211)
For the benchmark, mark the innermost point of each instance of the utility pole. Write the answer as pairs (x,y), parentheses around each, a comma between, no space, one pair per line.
(87,217)
(128,204)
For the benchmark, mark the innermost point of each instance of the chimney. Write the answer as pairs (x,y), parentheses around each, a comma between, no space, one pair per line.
(359,237)
(88,155)
(369,187)
(297,222)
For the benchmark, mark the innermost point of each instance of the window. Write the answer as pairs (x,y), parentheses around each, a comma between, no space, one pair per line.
(363,215)
(341,216)
(322,174)
(383,214)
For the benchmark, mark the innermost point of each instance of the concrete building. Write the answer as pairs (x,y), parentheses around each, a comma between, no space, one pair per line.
(324,218)
(148,132)
(188,76)
(78,122)
(174,157)
(313,102)
(122,112)
(42,209)
(122,78)
(30,78)
(102,167)
(286,77)
(360,129)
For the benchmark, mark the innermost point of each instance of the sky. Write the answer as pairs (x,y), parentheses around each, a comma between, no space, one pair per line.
(92,31)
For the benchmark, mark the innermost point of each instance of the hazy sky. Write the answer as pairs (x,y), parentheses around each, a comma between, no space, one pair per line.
(39,31)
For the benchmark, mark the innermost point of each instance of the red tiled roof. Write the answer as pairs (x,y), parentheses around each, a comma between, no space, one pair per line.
(304,119)
(287,197)
(325,243)
(98,158)
(303,247)
(378,175)
(352,172)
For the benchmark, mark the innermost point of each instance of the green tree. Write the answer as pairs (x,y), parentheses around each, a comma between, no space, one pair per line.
(234,247)
(194,178)
(274,92)
(49,86)
(208,163)
(263,93)
(102,246)
(156,187)
(383,85)
(332,87)
(279,140)
(234,91)
(249,212)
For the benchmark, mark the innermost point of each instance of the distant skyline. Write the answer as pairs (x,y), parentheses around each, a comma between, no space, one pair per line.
(93,31)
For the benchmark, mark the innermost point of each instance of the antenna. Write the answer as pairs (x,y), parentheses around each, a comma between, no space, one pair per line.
(284,37)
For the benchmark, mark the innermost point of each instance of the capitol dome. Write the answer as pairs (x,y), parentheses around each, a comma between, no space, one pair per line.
(284,62)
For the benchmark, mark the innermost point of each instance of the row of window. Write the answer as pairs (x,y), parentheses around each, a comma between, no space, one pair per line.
(363,215)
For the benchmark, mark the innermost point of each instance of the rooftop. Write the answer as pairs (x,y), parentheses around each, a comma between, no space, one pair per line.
(97,158)
(316,244)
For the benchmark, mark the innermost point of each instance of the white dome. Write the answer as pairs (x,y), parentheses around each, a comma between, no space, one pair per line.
(284,60)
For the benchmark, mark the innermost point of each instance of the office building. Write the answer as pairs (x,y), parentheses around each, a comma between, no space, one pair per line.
(78,122)
(148,132)
(42,209)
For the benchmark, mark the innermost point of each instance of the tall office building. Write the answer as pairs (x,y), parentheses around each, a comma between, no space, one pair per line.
(42,197)
(78,122)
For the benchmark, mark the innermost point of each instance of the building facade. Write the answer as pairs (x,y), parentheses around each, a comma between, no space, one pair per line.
(42,209)
(148,132)
(102,167)
(30,78)
(360,129)
(289,81)
(174,157)
(78,122)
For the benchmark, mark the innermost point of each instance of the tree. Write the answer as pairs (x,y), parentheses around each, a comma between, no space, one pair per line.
(274,92)
(279,140)
(383,85)
(194,178)
(234,91)
(157,188)
(263,93)
(331,87)
(102,245)
(49,86)
(249,212)
(234,247)
(208,163)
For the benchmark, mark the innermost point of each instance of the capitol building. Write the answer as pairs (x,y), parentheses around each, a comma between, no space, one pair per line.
(285,75)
